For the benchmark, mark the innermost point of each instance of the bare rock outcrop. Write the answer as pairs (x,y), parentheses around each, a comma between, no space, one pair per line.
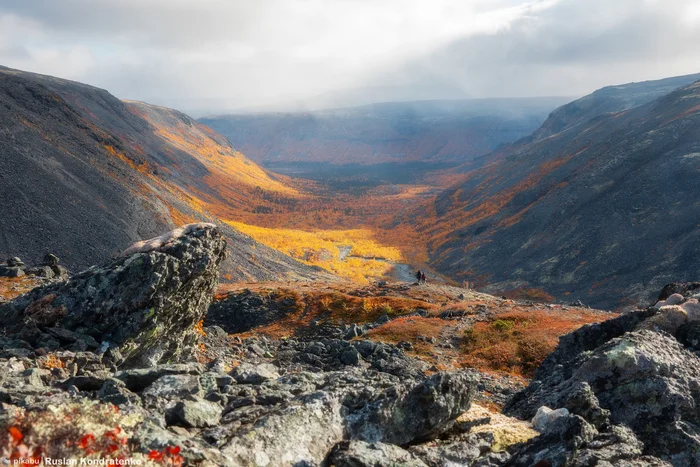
(141,308)
(630,386)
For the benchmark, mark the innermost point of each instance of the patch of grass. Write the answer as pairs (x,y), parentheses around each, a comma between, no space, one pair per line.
(11,287)
(518,342)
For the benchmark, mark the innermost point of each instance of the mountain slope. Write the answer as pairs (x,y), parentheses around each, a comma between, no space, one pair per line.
(83,174)
(393,132)
(604,211)
(609,99)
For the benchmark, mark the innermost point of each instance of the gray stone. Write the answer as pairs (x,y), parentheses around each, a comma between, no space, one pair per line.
(138,379)
(247,373)
(174,387)
(197,414)
(114,391)
(11,271)
(350,357)
(463,451)
(362,454)
(545,417)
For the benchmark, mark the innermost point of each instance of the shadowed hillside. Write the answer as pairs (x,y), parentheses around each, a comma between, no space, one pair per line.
(603,211)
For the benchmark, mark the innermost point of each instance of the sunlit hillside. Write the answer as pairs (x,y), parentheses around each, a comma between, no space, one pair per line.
(352,254)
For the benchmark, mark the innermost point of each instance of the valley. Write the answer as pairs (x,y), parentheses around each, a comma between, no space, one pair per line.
(462,214)
(212,305)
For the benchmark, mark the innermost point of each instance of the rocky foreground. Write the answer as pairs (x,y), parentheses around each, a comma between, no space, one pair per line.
(114,363)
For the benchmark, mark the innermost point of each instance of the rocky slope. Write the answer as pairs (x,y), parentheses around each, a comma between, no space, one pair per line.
(83,173)
(600,211)
(163,390)
(398,132)
(124,335)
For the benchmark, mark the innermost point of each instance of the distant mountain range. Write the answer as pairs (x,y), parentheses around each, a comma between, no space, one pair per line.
(600,204)
(452,131)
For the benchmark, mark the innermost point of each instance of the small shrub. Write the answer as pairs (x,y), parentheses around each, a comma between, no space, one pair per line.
(368,306)
(326,303)
(503,324)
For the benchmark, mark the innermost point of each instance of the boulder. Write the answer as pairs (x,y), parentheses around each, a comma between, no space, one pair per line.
(50,260)
(238,312)
(197,414)
(417,413)
(247,373)
(11,271)
(362,454)
(644,380)
(145,304)
(15,262)
(350,405)
(545,418)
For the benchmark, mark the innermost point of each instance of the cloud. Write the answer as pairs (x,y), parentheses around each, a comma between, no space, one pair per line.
(570,48)
(216,55)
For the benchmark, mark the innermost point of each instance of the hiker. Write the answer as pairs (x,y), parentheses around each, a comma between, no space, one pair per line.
(419,276)
(422,277)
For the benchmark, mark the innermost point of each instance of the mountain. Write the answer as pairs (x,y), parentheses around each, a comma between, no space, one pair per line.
(603,211)
(610,99)
(83,173)
(433,132)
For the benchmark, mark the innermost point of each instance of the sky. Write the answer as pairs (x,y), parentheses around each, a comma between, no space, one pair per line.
(214,56)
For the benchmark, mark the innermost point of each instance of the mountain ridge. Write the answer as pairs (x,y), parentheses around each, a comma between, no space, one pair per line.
(530,215)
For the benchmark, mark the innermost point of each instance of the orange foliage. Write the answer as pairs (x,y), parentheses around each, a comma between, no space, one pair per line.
(51,361)
(329,307)
(517,342)
(464,214)
(141,166)
(11,287)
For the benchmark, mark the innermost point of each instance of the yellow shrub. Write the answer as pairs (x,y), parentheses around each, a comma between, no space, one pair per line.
(368,258)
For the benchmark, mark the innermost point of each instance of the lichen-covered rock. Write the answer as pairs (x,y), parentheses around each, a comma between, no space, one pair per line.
(464,450)
(545,417)
(362,454)
(245,373)
(197,413)
(332,407)
(144,304)
(644,380)
(419,412)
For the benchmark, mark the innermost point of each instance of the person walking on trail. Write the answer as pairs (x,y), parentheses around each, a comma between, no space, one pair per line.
(419,276)
(422,277)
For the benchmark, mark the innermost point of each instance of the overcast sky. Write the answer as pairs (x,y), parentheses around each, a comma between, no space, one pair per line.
(216,55)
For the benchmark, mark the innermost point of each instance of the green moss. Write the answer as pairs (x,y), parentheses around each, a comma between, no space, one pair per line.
(149,314)
(503,324)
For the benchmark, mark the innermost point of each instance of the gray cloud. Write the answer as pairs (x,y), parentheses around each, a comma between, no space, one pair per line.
(217,55)
(572,48)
